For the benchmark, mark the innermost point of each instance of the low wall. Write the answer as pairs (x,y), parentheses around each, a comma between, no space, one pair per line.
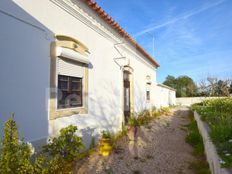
(210,150)
(188,101)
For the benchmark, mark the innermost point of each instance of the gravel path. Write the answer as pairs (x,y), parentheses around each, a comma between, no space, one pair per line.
(159,149)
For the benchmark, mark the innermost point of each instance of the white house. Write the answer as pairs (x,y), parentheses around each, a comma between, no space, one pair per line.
(68,62)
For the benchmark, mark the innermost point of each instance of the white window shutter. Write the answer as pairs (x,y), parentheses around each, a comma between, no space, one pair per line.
(70,68)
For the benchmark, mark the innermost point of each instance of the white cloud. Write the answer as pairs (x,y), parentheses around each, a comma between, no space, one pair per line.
(181,17)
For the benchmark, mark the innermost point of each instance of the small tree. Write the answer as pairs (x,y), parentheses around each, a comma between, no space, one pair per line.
(15,155)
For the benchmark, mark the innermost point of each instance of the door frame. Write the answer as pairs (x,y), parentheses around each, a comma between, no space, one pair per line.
(129,70)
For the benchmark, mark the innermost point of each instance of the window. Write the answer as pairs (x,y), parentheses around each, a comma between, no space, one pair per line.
(148,91)
(69,92)
(148,95)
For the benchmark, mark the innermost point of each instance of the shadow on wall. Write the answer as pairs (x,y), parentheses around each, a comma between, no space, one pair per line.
(104,113)
(24,69)
(140,98)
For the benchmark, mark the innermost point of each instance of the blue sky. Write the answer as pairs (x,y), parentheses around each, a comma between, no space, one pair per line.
(192,37)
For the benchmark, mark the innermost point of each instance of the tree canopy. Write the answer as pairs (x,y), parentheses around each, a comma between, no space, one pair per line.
(210,86)
(184,85)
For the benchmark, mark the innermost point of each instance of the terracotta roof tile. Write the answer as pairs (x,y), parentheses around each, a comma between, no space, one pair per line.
(109,20)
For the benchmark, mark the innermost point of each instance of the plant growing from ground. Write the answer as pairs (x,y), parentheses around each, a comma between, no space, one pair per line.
(144,117)
(106,134)
(200,165)
(133,121)
(15,155)
(218,115)
(165,110)
(155,112)
(60,154)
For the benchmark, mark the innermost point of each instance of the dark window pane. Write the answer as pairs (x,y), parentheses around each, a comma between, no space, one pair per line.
(76,79)
(70,92)
(148,95)
(62,95)
(76,86)
(63,85)
(63,78)
(74,99)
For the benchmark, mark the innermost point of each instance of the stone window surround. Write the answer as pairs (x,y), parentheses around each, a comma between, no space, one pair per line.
(54,112)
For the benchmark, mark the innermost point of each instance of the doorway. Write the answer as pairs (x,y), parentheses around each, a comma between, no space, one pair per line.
(127,93)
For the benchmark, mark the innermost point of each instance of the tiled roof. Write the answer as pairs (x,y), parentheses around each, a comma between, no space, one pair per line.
(109,20)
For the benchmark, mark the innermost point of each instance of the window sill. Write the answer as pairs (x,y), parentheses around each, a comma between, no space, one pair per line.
(66,112)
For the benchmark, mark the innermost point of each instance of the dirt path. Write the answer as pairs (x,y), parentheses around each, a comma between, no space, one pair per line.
(159,149)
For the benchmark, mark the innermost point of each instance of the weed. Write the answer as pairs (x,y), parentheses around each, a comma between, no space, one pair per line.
(218,114)
(200,165)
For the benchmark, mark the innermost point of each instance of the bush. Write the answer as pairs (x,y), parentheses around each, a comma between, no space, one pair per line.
(165,110)
(144,117)
(155,112)
(59,155)
(106,134)
(15,155)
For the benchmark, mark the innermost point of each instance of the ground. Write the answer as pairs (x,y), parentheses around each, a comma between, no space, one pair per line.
(160,148)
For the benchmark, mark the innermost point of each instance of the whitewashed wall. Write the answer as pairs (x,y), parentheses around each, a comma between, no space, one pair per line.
(188,101)
(25,71)
(163,97)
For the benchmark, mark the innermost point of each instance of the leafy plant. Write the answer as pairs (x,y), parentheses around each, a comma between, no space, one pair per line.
(155,112)
(133,121)
(106,134)
(15,155)
(59,155)
(200,165)
(165,110)
(218,114)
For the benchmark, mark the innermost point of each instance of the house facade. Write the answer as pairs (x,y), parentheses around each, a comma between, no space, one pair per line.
(67,62)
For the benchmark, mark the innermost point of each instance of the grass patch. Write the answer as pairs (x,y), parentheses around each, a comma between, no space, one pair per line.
(200,165)
(217,113)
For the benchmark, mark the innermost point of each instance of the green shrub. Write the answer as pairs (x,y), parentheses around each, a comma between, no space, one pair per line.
(199,165)
(194,138)
(59,155)
(144,117)
(66,146)
(155,112)
(133,121)
(15,155)
(218,114)
(106,134)
(165,110)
